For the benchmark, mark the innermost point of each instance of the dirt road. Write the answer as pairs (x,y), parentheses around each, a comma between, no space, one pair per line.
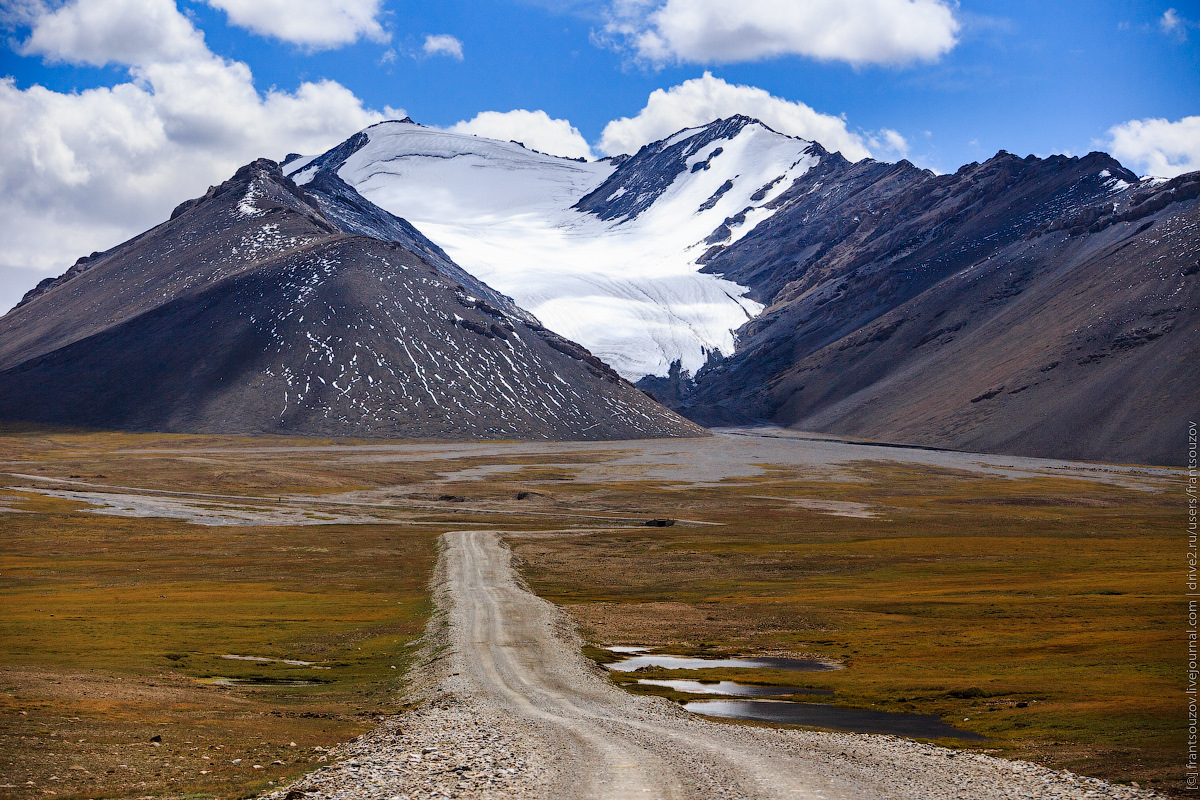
(607,743)
(513,710)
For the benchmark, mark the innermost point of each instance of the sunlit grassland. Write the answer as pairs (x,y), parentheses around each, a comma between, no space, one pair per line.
(965,596)
(251,467)
(1043,610)
(112,626)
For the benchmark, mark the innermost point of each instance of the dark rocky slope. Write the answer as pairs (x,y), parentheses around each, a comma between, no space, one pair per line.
(263,308)
(1035,306)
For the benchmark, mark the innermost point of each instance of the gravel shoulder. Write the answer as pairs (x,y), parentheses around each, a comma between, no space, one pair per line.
(504,706)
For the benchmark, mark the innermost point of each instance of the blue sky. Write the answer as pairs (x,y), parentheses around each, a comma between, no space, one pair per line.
(1027,77)
(143,103)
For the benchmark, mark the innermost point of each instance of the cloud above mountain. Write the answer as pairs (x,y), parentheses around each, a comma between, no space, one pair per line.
(315,24)
(84,170)
(102,32)
(534,129)
(1157,147)
(701,100)
(858,32)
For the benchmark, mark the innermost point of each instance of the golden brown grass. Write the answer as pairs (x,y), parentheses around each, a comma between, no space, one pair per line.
(112,626)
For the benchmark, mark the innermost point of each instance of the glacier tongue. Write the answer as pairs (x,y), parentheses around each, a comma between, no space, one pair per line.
(629,288)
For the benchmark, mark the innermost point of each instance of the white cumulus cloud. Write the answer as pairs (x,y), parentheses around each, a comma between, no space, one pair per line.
(1157,146)
(888,143)
(83,171)
(443,44)
(1173,24)
(858,32)
(99,32)
(701,100)
(316,24)
(534,129)
(1169,22)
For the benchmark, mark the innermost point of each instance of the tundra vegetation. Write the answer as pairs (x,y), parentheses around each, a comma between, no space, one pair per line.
(1036,609)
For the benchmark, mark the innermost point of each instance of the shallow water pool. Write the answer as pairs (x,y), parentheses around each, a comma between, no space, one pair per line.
(732,688)
(684,662)
(822,715)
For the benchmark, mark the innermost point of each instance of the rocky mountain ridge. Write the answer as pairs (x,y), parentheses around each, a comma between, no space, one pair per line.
(1022,305)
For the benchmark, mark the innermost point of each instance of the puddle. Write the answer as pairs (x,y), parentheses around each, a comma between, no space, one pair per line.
(733,689)
(682,662)
(261,682)
(626,648)
(821,715)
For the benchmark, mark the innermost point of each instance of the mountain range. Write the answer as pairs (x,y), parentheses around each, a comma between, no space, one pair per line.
(1043,306)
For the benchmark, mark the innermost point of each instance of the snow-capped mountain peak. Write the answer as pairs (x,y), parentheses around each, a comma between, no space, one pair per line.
(606,252)
(740,149)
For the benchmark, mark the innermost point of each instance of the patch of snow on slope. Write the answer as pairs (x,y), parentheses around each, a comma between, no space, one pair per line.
(245,206)
(1111,182)
(304,175)
(686,133)
(629,291)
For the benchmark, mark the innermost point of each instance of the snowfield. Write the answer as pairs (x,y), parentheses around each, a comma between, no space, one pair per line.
(629,288)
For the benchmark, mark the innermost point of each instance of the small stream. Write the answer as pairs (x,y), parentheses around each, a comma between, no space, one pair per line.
(263,682)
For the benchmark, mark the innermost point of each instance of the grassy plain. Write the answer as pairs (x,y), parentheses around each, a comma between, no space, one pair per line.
(1041,609)
(114,627)
(1037,611)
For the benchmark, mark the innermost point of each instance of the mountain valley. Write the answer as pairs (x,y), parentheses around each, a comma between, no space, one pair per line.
(1037,306)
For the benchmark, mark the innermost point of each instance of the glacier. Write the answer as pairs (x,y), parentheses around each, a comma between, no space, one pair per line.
(625,285)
